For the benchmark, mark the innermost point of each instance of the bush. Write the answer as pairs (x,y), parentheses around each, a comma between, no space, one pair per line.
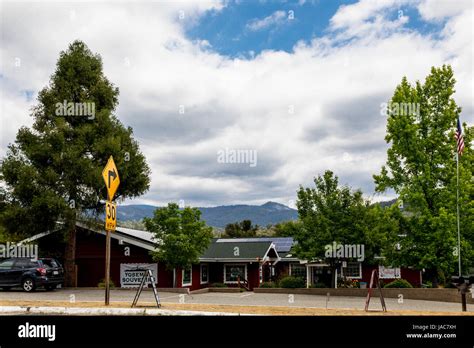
(292,283)
(348,283)
(268,285)
(428,284)
(218,285)
(399,283)
(101,284)
(319,285)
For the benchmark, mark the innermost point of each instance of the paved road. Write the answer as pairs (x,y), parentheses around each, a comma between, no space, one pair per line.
(248,298)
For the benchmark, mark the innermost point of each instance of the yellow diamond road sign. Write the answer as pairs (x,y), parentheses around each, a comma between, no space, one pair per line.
(110,216)
(111,178)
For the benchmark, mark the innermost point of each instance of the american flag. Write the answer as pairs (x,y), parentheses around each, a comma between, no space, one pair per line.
(459,138)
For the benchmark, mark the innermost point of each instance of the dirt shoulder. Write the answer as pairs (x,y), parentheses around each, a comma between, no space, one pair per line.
(258,310)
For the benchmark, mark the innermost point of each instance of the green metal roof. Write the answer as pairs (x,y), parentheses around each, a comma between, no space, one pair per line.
(228,250)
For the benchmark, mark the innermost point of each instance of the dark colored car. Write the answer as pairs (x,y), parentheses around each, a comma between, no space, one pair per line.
(30,274)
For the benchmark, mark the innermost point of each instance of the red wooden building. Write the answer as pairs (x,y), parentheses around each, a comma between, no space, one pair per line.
(239,261)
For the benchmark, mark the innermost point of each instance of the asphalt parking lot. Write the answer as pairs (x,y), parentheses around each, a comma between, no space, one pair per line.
(236,299)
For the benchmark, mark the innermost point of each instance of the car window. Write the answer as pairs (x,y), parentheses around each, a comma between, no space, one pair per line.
(6,264)
(25,263)
(50,263)
(21,263)
(31,264)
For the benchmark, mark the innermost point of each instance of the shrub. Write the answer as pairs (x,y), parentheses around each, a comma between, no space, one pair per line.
(218,285)
(101,284)
(318,285)
(399,283)
(292,282)
(428,284)
(348,283)
(267,285)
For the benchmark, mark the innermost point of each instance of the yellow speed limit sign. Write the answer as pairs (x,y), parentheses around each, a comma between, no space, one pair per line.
(110,216)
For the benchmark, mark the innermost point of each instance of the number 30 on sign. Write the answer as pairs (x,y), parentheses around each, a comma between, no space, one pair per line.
(110,216)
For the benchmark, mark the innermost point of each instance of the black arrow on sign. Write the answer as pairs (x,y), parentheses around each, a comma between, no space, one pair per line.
(113,174)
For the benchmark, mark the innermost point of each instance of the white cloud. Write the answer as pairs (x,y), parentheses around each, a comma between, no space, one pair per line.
(276,18)
(334,92)
(355,14)
(441,9)
(368,19)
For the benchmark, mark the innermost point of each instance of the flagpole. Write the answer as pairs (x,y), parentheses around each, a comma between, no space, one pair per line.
(457,208)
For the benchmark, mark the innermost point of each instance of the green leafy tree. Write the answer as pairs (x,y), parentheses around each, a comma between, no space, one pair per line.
(421,169)
(288,228)
(182,236)
(328,213)
(384,226)
(241,229)
(53,170)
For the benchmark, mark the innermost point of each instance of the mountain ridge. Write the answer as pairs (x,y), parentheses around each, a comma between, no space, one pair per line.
(219,216)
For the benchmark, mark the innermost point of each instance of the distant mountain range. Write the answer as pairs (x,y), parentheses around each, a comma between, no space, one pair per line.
(220,216)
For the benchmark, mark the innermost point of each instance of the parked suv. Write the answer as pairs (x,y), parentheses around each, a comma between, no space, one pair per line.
(30,274)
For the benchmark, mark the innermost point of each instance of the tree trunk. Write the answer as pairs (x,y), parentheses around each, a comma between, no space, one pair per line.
(432,275)
(435,282)
(70,276)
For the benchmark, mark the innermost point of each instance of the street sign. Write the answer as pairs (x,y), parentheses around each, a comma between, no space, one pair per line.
(112,182)
(110,216)
(111,178)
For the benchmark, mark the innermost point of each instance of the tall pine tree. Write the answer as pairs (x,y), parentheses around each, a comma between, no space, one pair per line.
(52,172)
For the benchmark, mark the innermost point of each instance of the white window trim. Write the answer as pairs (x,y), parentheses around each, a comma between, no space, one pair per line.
(360,272)
(200,274)
(190,278)
(234,264)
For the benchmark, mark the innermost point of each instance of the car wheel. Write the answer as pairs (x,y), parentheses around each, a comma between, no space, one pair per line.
(28,284)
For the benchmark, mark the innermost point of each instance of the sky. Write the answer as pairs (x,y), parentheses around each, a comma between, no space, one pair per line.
(241,102)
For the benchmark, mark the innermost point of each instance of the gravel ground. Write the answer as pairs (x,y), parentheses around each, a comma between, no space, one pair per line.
(235,299)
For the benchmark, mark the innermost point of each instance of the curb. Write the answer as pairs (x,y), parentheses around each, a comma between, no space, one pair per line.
(18,310)
(419,294)
(174,290)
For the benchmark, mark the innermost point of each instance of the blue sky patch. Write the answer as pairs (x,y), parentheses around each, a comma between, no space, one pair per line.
(244,29)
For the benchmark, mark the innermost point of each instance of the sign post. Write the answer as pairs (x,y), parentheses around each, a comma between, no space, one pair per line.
(112,181)
(375,277)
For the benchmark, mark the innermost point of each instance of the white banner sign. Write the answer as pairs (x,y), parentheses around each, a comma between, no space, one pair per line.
(130,276)
(389,273)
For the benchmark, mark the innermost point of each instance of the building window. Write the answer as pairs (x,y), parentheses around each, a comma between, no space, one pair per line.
(233,272)
(298,270)
(352,270)
(187,276)
(204,274)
